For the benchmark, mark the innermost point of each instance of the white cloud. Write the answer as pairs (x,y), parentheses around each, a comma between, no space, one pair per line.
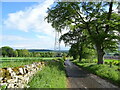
(32,18)
(27,20)
(13,38)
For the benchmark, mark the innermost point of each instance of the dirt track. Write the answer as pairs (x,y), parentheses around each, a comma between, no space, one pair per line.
(78,78)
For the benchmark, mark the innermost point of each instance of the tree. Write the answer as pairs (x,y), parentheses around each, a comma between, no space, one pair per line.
(77,40)
(4,53)
(15,53)
(73,51)
(101,25)
(0,52)
(19,52)
(25,53)
(7,51)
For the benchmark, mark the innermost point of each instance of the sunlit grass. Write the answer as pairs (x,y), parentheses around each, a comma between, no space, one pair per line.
(20,58)
(19,61)
(105,71)
(52,76)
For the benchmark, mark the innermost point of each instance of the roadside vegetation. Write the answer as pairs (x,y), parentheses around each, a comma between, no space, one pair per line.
(52,76)
(108,71)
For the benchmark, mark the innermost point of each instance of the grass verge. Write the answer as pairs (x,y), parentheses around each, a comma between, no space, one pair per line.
(104,71)
(52,76)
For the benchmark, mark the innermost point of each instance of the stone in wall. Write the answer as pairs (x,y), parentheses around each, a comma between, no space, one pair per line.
(18,77)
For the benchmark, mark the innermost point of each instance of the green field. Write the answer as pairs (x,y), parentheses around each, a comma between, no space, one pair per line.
(106,61)
(110,60)
(19,61)
(21,58)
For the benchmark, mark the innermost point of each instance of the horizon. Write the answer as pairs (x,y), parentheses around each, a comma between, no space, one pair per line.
(35,48)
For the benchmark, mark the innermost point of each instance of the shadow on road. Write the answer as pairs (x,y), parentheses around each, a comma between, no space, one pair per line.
(78,78)
(73,71)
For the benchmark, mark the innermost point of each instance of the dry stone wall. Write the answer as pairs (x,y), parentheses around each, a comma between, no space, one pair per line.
(18,77)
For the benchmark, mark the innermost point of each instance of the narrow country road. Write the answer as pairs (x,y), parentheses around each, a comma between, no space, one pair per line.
(78,78)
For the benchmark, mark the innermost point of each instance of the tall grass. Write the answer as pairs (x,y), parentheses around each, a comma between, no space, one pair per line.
(52,76)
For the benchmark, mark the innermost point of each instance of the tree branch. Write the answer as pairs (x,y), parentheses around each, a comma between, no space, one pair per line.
(109,16)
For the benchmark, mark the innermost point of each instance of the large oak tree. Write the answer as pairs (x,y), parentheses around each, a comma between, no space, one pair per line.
(101,25)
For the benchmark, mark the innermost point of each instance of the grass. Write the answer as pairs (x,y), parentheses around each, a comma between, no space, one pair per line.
(19,61)
(106,61)
(110,60)
(52,76)
(104,71)
(20,58)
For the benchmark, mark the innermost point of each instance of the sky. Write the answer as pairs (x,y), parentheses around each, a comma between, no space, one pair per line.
(24,27)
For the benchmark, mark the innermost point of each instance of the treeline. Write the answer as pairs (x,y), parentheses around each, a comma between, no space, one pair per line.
(7,51)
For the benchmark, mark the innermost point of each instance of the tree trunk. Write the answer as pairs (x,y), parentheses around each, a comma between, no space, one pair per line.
(100,54)
(80,53)
(80,58)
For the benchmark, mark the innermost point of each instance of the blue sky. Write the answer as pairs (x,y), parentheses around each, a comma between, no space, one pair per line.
(24,25)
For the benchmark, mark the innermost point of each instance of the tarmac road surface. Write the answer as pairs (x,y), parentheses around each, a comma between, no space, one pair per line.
(78,78)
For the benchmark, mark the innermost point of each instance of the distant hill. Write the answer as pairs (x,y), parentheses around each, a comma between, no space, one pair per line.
(45,50)
(39,50)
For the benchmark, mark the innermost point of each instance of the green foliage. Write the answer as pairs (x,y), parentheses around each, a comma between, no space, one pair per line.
(64,55)
(23,52)
(73,51)
(7,51)
(89,19)
(89,53)
(52,76)
(3,87)
(0,52)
